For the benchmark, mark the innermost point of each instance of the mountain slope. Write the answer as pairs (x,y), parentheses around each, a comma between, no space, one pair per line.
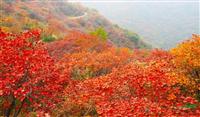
(162,24)
(57,18)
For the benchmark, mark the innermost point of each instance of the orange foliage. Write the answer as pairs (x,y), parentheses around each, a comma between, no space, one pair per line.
(109,81)
(76,42)
(187,60)
(136,89)
(86,64)
(188,53)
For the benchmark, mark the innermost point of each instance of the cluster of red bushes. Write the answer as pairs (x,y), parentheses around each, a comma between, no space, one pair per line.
(84,76)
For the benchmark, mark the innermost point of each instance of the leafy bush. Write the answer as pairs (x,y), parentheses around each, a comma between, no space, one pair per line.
(101,33)
(48,38)
(30,80)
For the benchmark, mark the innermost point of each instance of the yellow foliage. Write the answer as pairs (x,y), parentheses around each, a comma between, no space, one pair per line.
(188,53)
(187,60)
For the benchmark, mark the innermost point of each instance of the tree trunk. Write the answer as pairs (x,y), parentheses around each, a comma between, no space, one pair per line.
(20,108)
(9,110)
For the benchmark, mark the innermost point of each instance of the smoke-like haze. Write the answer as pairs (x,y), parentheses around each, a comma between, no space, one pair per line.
(162,23)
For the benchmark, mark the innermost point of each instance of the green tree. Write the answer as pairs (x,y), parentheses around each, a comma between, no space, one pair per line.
(48,38)
(101,33)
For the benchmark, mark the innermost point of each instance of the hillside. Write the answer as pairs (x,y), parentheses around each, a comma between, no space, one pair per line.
(163,25)
(59,59)
(57,18)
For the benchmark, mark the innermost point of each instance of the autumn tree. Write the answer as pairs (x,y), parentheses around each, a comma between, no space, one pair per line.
(187,60)
(29,78)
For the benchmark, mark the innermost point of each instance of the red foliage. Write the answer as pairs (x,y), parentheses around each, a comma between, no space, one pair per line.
(116,81)
(76,42)
(142,88)
(29,78)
